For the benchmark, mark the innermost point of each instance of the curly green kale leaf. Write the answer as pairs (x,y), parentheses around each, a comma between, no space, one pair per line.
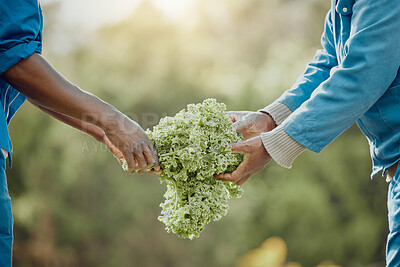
(192,147)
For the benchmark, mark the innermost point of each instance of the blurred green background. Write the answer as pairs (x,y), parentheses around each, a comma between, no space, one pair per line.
(74,206)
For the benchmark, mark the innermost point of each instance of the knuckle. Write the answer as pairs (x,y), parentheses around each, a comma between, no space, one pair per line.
(141,145)
(151,162)
(147,149)
(142,164)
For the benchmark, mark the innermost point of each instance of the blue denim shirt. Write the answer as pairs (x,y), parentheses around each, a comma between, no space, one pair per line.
(21,25)
(354,78)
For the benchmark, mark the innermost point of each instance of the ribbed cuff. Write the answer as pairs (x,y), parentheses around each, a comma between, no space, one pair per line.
(278,111)
(281,147)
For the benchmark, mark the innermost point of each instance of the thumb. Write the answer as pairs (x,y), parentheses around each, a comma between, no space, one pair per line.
(239,126)
(240,147)
(234,115)
(115,151)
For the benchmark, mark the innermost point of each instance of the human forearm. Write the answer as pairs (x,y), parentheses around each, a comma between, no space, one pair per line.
(367,69)
(91,129)
(85,127)
(35,78)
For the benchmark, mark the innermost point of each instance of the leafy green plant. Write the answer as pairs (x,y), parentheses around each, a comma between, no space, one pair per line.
(192,147)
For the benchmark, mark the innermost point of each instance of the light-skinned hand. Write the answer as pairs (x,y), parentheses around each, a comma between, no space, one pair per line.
(254,160)
(250,123)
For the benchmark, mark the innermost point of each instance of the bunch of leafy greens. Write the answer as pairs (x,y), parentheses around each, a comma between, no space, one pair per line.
(192,147)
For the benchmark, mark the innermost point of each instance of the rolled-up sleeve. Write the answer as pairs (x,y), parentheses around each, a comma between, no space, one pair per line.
(21,24)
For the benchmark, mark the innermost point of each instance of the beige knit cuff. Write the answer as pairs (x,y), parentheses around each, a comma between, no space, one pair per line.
(5,153)
(278,111)
(281,147)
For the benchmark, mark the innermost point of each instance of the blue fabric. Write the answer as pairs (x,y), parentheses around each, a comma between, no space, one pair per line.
(354,78)
(6,219)
(21,25)
(10,100)
(393,242)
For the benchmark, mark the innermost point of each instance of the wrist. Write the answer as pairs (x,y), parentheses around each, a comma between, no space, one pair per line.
(110,120)
(269,123)
(263,150)
(97,133)
(278,112)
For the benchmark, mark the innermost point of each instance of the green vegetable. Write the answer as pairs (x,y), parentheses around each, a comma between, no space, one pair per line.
(192,147)
(124,165)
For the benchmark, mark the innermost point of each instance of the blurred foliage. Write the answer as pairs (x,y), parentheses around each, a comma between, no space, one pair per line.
(272,253)
(74,206)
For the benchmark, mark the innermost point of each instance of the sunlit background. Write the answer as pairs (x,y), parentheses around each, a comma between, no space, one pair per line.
(74,206)
(74,18)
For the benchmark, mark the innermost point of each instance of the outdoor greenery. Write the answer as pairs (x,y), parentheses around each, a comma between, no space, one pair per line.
(74,206)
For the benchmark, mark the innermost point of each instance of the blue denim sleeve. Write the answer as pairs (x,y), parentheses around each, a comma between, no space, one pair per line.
(317,71)
(21,24)
(370,63)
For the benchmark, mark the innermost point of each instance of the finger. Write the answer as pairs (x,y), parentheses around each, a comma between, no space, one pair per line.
(151,146)
(240,147)
(118,155)
(154,154)
(150,159)
(115,151)
(142,171)
(233,115)
(243,180)
(140,158)
(239,126)
(224,176)
(130,163)
(155,157)
(121,161)
(155,172)
(234,176)
(157,169)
